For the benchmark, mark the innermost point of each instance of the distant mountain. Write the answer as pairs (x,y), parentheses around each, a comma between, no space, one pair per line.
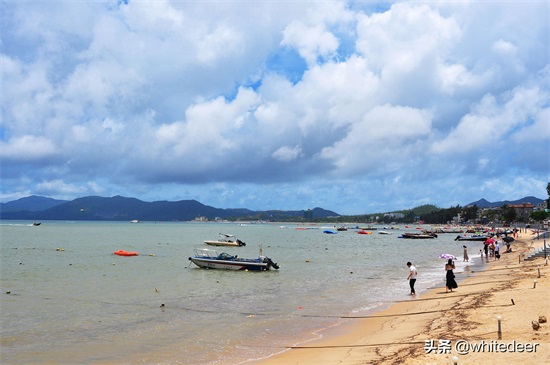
(31,203)
(120,208)
(482,203)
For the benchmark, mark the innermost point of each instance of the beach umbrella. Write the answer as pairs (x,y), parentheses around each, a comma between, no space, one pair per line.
(447,256)
(508,239)
(489,240)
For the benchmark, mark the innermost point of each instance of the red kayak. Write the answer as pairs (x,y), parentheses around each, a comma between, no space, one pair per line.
(125,253)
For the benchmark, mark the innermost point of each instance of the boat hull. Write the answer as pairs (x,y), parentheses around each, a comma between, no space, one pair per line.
(230,264)
(418,236)
(222,243)
(210,259)
(480,238)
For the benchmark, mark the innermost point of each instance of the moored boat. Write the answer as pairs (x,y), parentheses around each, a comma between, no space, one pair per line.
(418,235)
(471,238)
(210,259)
(226,240)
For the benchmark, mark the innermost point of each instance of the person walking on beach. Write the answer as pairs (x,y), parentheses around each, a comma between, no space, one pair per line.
(466,258)
(412,277)
(450,282)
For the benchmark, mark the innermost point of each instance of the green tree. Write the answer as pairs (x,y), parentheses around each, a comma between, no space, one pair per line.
(539,215)
(508,213)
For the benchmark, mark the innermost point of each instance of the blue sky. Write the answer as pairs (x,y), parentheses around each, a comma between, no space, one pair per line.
(356,107)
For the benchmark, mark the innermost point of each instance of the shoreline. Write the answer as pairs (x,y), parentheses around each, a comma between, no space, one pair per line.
(411,331)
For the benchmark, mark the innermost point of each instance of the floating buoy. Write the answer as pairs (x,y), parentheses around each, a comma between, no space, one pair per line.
(307,260)
(125,253)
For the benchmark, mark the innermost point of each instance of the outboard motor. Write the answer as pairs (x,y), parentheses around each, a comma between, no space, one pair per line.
(272,264)
(240,243)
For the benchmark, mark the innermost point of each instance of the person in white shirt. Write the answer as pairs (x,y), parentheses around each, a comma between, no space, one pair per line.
(412,277)
(497,250)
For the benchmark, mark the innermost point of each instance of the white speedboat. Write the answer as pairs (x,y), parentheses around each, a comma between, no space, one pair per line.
(210,259)
(226,240)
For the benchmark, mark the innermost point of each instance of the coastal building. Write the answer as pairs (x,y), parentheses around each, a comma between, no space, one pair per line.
(523,210)
(395,215)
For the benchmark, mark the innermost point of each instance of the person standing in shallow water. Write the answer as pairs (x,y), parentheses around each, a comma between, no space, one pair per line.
(412,277)
(466,258)
(450,282)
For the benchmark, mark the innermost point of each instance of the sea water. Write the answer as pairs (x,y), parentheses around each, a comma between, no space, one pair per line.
(66,299)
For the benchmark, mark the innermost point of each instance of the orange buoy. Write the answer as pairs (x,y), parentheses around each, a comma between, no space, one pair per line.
(125,253)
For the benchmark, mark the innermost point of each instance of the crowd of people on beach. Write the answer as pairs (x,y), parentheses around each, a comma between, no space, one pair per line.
(491,250)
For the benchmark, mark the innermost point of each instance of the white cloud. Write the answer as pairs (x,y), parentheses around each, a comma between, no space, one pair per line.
(27,148)
(59,187)
(491,120)
(312,42)
(287,153)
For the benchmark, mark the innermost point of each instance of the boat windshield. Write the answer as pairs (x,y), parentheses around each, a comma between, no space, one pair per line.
(205,252)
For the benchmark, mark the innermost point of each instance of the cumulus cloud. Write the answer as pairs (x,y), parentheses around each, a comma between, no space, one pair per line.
(394,102)
(286,153)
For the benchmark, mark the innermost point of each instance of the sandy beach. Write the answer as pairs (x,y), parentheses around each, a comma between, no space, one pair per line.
(435,327)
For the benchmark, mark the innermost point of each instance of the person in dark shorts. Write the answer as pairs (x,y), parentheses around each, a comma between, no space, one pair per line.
(412,277)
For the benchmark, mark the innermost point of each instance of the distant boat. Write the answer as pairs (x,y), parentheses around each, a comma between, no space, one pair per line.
(363,232)
(330,231)
(471,238)
(384,232)
(135,221)
(226,240)
(418,235)
(36,223)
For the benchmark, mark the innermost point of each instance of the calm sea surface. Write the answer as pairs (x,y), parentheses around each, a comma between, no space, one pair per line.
(83,305)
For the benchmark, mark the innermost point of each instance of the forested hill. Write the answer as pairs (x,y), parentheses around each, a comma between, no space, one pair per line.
(122,208)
